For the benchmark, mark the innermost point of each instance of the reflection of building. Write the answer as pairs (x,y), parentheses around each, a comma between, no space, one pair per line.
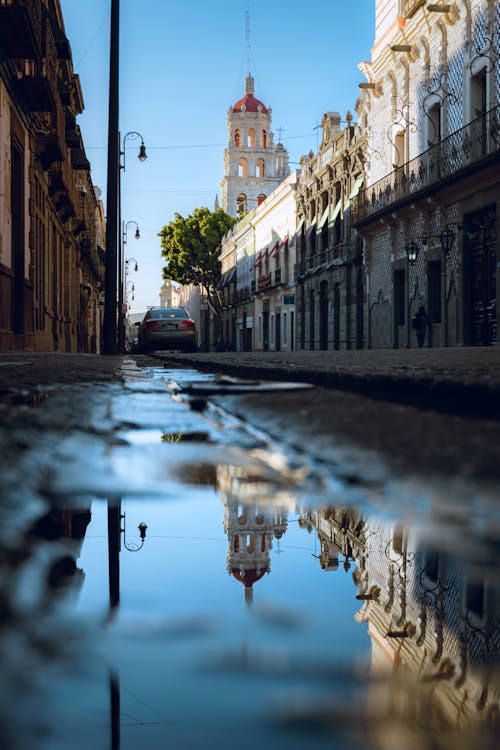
(166,294)
(434,632)
(250,525)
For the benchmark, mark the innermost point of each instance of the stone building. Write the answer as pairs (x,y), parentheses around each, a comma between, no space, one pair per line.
(51,219)
(428,214)
(329,272)
(237,285)
(253,165)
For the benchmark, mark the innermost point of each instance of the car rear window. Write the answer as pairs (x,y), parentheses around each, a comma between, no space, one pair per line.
(169,312)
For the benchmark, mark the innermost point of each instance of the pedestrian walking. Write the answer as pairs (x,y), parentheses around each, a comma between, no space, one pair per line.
(421,322)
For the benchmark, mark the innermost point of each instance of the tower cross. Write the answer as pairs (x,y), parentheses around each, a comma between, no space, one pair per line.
(280,131)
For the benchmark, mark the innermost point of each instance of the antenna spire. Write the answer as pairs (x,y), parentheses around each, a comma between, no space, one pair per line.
(247,39)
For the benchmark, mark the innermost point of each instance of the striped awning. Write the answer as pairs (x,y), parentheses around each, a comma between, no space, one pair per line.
(323,219)
(335,212)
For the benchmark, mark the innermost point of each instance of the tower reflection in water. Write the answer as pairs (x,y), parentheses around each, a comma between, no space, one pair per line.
(434,628)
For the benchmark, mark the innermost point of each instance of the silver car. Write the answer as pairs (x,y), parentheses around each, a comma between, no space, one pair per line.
(167,328)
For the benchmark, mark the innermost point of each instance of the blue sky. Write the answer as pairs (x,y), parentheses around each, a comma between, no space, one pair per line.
(182,66)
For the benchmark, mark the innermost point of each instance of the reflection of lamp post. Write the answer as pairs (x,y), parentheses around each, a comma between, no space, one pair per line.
(132,289)
(133,546)
(447,238)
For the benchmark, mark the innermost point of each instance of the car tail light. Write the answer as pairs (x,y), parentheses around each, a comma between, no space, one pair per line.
(151,323)
(188,324)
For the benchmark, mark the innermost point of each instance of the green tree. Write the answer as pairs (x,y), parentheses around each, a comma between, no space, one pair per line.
(191,247)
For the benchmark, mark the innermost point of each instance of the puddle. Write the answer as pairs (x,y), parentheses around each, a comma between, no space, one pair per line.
(191,584)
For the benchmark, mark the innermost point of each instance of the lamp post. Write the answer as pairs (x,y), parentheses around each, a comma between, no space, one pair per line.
(112,201)
(447,238)
(132,135)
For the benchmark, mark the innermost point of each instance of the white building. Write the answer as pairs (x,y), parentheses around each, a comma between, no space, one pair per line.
(429,212)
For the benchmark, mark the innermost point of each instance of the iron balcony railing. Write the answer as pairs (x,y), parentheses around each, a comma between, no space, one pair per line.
(457,153)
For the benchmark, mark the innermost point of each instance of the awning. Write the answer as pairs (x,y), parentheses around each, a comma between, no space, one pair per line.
(226,278)
(323,219)
(276,249)
(335,212)
(356,188)
(299,226)
(311,228)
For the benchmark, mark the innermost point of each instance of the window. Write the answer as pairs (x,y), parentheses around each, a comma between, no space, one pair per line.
(272,329)
(264,139)
(237,138)
(242,168)
(434,291)
(260,198)
(285,339)
(251,143)
(260,169)
(260,329)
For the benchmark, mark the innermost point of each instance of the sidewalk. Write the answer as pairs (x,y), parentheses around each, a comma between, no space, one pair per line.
(459,380)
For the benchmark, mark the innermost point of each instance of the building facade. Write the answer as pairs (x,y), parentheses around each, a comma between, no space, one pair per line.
(329,271)
(428,214)
(253,165)
(51,218)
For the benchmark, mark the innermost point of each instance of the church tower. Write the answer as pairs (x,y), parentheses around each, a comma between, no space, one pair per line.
(253,165)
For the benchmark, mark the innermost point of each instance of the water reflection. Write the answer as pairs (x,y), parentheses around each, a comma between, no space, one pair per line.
(362,633)
(434,630)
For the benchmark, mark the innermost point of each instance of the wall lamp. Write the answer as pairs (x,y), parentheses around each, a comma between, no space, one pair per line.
(412,251)
(133,546)
(447,238)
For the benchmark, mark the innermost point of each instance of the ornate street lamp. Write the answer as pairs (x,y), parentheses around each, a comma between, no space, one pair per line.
(132,136)
(447,238)
(412,251)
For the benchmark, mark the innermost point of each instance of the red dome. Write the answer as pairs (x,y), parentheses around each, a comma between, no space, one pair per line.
(250,576)
(251,105)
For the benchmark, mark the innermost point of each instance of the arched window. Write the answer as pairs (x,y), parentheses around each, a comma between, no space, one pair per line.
(241,203)
(264,139)
(242,168)
(251,142)
(260,168)
(237,137)
(260,198)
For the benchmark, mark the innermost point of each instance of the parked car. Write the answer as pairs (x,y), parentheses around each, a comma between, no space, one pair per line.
(167,328)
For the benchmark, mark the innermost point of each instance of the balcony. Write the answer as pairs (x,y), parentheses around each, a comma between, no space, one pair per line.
(21,28)
(50,145)
(264,282)
(35,85)
(461,153)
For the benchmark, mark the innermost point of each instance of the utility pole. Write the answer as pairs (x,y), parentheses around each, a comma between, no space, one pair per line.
(112,226)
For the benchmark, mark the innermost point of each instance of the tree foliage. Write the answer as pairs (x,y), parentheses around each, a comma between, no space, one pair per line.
(191,248)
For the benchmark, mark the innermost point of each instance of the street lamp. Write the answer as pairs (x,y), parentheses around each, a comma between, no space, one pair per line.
(412,251)
(127,261)
(132,136)
(447,238)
